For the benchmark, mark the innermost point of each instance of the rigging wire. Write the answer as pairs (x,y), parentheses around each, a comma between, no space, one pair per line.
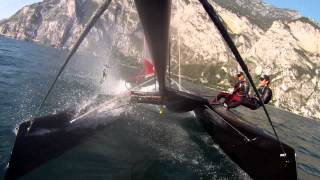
(112,100)
(75,47)
(179,60)
(169,63)
(218,23)
(235,129)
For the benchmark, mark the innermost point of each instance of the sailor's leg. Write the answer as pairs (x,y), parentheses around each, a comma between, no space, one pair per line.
(219,96)
(251,103)
(234,101)
(234,104)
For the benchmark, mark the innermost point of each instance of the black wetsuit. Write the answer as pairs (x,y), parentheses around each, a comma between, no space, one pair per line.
(253,102)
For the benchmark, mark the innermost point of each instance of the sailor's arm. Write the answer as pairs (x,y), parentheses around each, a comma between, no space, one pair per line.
(246,87)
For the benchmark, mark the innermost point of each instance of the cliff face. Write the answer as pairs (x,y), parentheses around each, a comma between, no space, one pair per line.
(288,50)
(56,23)
(272,41)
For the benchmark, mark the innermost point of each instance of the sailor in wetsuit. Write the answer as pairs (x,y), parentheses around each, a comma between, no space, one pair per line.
(104,73)
(264,91)
(240,91)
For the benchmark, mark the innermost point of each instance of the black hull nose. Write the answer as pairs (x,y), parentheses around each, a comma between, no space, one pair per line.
(47,138)
(255,152)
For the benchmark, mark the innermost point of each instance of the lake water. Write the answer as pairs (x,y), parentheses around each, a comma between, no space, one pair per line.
(140,143)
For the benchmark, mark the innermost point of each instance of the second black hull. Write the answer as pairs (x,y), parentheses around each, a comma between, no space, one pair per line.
(254,151)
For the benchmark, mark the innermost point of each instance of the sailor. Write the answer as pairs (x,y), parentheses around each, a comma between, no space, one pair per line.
(240,91)
(104,73)
(265,93)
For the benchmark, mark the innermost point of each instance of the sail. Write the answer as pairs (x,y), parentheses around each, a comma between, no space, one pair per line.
(147,60)
(148,67)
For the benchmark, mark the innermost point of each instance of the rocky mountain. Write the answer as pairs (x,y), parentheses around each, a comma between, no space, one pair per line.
(273,41)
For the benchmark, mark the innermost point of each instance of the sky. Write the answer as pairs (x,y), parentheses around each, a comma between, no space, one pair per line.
(308,8)
(9,7)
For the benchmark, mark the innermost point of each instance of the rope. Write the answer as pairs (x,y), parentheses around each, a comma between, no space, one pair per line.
(234,128)
(218,23)
(180,86)
(118,107)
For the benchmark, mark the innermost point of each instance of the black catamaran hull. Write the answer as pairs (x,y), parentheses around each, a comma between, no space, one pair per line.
(41,139)
(254,151)
(48,139)
(257,153)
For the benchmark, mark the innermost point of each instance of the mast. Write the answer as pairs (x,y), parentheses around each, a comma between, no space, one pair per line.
(155,19)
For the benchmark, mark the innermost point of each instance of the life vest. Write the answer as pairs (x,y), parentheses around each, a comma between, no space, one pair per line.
(265,94)
(241,88)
